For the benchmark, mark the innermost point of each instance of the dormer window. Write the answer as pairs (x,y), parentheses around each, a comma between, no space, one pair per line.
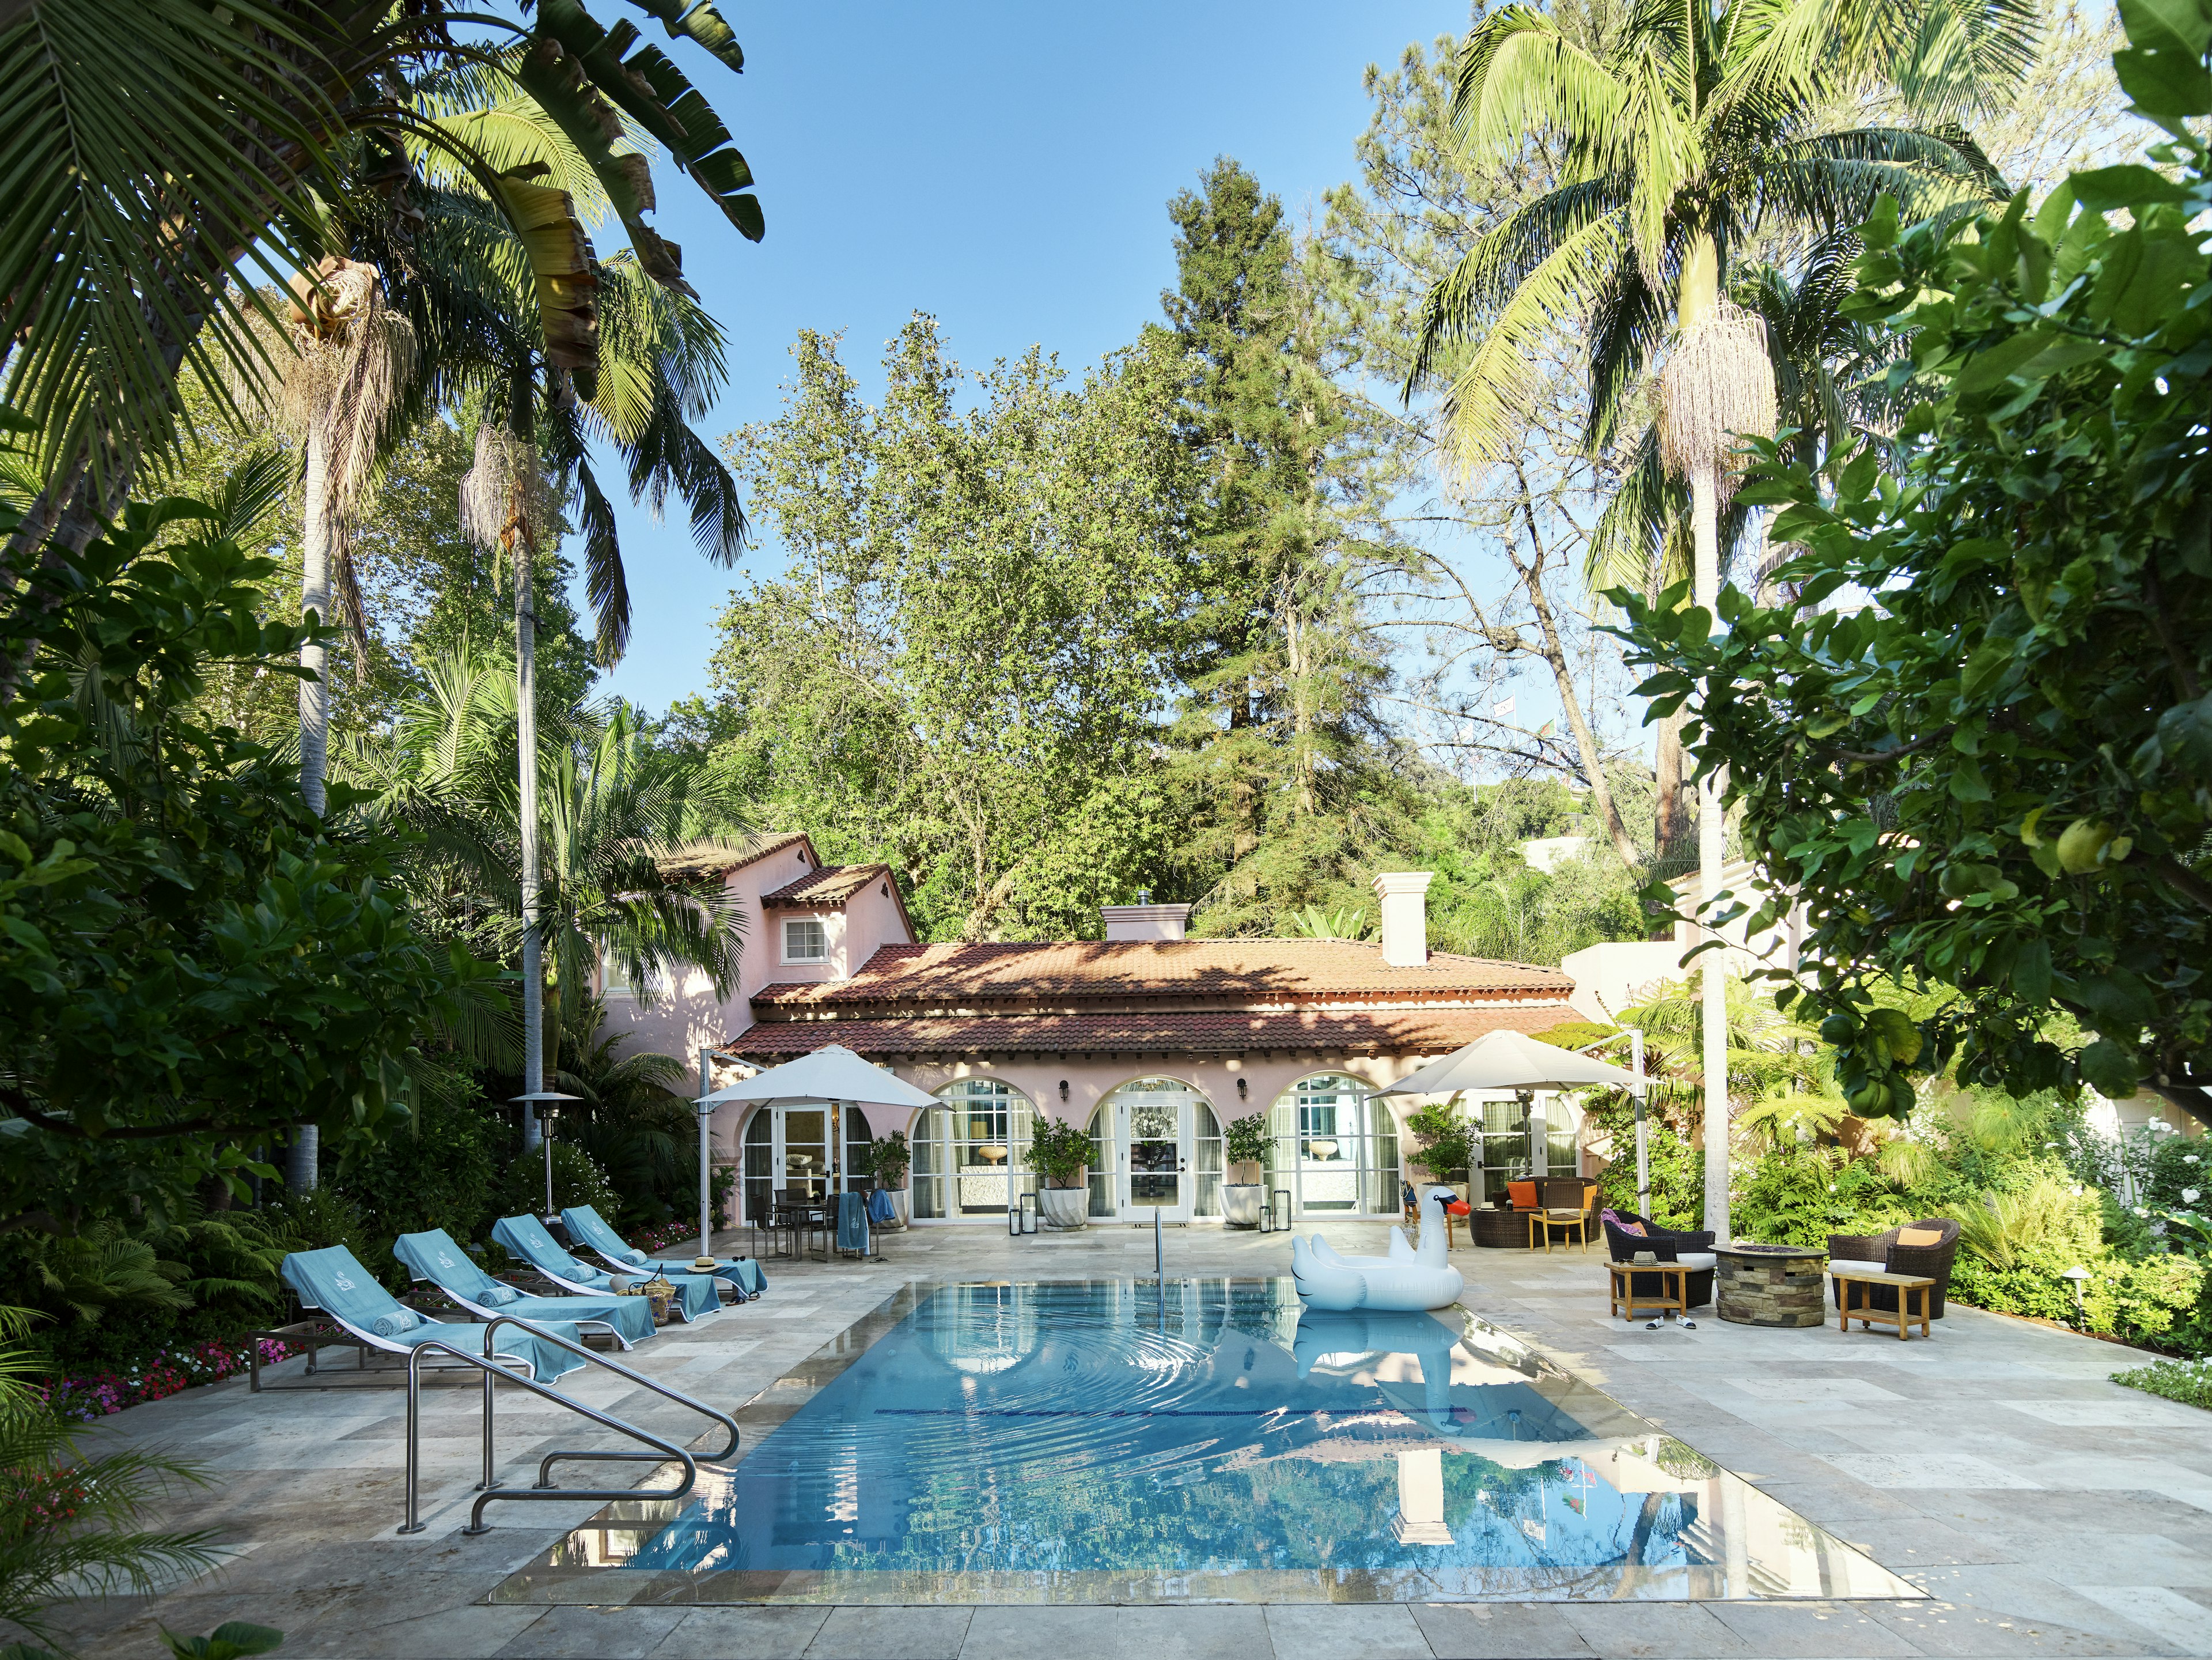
(805,939)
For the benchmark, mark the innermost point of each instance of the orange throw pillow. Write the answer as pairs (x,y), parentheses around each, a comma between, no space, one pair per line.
(1920,1236)
(1522,1193)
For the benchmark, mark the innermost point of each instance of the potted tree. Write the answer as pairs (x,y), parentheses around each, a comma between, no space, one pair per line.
(888,1159)
(1244,1193)
(1060,1153)
(1447,1153)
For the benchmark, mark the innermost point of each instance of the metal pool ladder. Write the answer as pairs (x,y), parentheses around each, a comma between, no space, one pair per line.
(490,1488)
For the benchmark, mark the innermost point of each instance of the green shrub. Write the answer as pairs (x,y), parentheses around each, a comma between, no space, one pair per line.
(436,1174)
(577,1180)
(2178,1164)
(1448,1140)
(2159,1302)
(1800,1195)
(1245,1139)
(1677,1170)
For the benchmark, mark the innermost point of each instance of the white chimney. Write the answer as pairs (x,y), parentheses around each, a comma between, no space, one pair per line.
(1404,897)
(1144,921)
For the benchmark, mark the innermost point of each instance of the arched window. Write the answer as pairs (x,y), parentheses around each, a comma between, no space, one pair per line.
(971,1154)
(1337,1145)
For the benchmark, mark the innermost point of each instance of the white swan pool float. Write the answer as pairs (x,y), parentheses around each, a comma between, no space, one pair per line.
(1407,1280)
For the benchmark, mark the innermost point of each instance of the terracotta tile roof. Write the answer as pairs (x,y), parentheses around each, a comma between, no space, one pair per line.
(832,885)
(717,858)
(1221,970)
(1408,1031)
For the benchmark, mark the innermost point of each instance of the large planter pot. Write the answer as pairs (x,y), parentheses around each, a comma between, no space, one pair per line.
(902,1202)
(1064,1208)
(1241,1202)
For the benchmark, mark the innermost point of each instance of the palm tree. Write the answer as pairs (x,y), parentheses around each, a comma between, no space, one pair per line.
(151,165)
(331,379)
(1692,132)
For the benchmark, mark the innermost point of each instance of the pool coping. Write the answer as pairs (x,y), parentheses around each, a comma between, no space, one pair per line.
(550,1582)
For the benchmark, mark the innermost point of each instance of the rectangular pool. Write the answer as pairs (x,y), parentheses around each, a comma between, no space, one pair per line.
(1116,1441)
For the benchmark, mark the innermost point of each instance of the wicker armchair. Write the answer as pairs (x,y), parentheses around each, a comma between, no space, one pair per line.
(1667,1247)
(1882,1250)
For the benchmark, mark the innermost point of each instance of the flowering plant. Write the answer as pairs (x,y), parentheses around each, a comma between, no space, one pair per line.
(83,1397)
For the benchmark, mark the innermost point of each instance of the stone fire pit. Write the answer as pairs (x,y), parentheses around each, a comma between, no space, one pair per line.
(1770,1285)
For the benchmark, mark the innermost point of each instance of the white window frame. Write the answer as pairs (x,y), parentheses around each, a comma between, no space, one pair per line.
(821,922)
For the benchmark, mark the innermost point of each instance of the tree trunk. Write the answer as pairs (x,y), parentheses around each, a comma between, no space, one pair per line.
(522,424)
(315,600)
(1670,809)
(1555,654)
(1704,501)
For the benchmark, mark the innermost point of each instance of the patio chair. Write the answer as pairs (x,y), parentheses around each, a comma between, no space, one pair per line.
(590,1230)
(332,1281)
(1626,1234)
(1926,1248)
(1567,1202)
(525,1236)
(433,1256)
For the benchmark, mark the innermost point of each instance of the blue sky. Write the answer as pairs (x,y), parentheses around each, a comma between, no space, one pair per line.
(1006,167)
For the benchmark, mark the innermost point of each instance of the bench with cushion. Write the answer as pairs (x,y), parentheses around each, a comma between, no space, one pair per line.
(1627,1234)
(1921,1248)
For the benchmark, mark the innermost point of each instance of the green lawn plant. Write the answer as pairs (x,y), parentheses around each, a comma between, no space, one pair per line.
(1246,1141)
(1991,780)
(1059,1151)
(2186,1381)
(1449,1143)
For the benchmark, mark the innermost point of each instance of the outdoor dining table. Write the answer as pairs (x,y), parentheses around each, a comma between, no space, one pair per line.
(797,1218)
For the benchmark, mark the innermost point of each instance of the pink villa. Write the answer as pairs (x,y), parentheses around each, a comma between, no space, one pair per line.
(1150,1041)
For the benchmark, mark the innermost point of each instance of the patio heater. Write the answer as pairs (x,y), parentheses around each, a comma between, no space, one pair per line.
(705,1260)
(544,1104)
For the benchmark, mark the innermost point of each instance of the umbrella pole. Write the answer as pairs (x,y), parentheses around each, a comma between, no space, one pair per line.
(1643,1145)
(706,1182)
(548,1140)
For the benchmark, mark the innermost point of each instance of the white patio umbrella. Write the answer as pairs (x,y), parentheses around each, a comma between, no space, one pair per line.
(1513,1060)
(831,1074)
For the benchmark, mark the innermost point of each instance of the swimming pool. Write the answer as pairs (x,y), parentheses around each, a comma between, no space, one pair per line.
(1119,1441)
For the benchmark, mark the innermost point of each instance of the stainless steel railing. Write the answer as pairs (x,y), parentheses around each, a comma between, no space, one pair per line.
(490,1487)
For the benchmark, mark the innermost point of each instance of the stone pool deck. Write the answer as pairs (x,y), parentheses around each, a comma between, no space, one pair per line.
(2046,1509)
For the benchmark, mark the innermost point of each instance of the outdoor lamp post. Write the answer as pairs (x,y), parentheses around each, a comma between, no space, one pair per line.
(705,1261)
(541,1105)
(2075,1276)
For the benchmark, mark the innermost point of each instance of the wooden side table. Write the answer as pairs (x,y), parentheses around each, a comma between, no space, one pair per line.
(1865,1311)
(1674,1290)
(1548,1219)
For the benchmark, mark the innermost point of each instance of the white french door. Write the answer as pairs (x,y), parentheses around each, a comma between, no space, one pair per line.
(1153,1130)
(798,1151)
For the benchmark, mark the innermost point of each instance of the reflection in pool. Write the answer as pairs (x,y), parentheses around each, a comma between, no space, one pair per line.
(1113,1441)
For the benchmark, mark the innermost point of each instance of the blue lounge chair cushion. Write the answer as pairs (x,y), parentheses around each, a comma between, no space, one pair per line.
(332,1281)
(586,1225)
(433,1256)
(526,1238)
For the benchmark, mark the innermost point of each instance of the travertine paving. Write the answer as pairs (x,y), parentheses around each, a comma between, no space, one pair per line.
(2046,1509)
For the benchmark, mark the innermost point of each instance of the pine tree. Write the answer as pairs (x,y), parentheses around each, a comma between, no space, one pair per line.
(1278,665)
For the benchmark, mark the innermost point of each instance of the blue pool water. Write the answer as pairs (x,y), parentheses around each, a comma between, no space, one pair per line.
(1119,1441)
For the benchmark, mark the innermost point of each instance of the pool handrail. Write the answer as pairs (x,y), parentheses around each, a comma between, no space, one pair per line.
(490,1487)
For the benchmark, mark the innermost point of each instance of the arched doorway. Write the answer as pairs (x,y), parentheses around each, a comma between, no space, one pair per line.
(806,1152)
(971,1154)
(1157,1147)
(1335,1148)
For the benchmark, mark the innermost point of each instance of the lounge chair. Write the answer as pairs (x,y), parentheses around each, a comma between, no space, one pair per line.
(1918,1247)
(331,1280)
(433,1256)
(1626,1234)
(526,1238)
(587,1228)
